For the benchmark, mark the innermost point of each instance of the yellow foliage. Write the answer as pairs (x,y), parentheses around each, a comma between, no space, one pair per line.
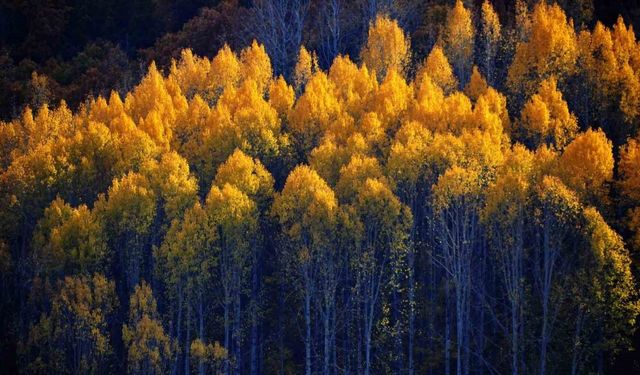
(456,183)
(191,73)
(549,50)
(629,169)
(392,99)
(306,66)
(458,39)
(477,85)
(354,85)
(437,67)
(354,174)
(545,118)
(225,71)
(306,207)
(256,66)
(281,96)
(314,111)
(587,163)
(246,174)
(387,48)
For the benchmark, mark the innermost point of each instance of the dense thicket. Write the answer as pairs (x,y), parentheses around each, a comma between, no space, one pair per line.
(469,204)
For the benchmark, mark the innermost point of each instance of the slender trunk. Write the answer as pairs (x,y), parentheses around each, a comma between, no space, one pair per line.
(411,293)
(307,320)
(254,315)
(187,342)
(447,331)
(178,326)
(200,328)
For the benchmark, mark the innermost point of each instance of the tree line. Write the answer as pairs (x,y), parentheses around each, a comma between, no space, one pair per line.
(475,212)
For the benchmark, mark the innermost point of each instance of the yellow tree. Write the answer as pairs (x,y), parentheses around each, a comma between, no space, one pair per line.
(437,67)
(550,49)
(506,214)
(249,177)
(191,73)
(281,97)
(186,263)
(629,170)
(233,216)
(73,336)
(476,86)
(313,112)
(381,222)
(386,48)
(148,346)
(307,212)
(457,202)
(256,65)
(127,213)
(69,240)
(459,39)
(545,118)
(586,165)
(225,71)
(490,37)
(354,85)
(306,66)
(392,100)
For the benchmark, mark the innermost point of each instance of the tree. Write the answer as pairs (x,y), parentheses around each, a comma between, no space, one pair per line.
(306,65)
(459,34)
(313,112)
(234,219)
(387,48)
(380,235)
(256,66)
(437,67)
(506,215)
(127,213)
(457,203)
(306,210)
(73,337)
(550,49)
(68,241)
(545,118)
(148,346)
(490,35)
(186,263)
(586,165)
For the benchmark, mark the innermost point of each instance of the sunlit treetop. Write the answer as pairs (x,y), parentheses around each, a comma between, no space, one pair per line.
(458,38)
(225,70)
(256,65)
(386,48)
(281,96)
(306,65)
(247,175)
(437,67)
(354,85)
(549,49)
(545,118)
(306,207)
(587,163)
(476,86)
(354,174)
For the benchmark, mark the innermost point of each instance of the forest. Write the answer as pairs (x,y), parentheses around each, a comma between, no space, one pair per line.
(343,187)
